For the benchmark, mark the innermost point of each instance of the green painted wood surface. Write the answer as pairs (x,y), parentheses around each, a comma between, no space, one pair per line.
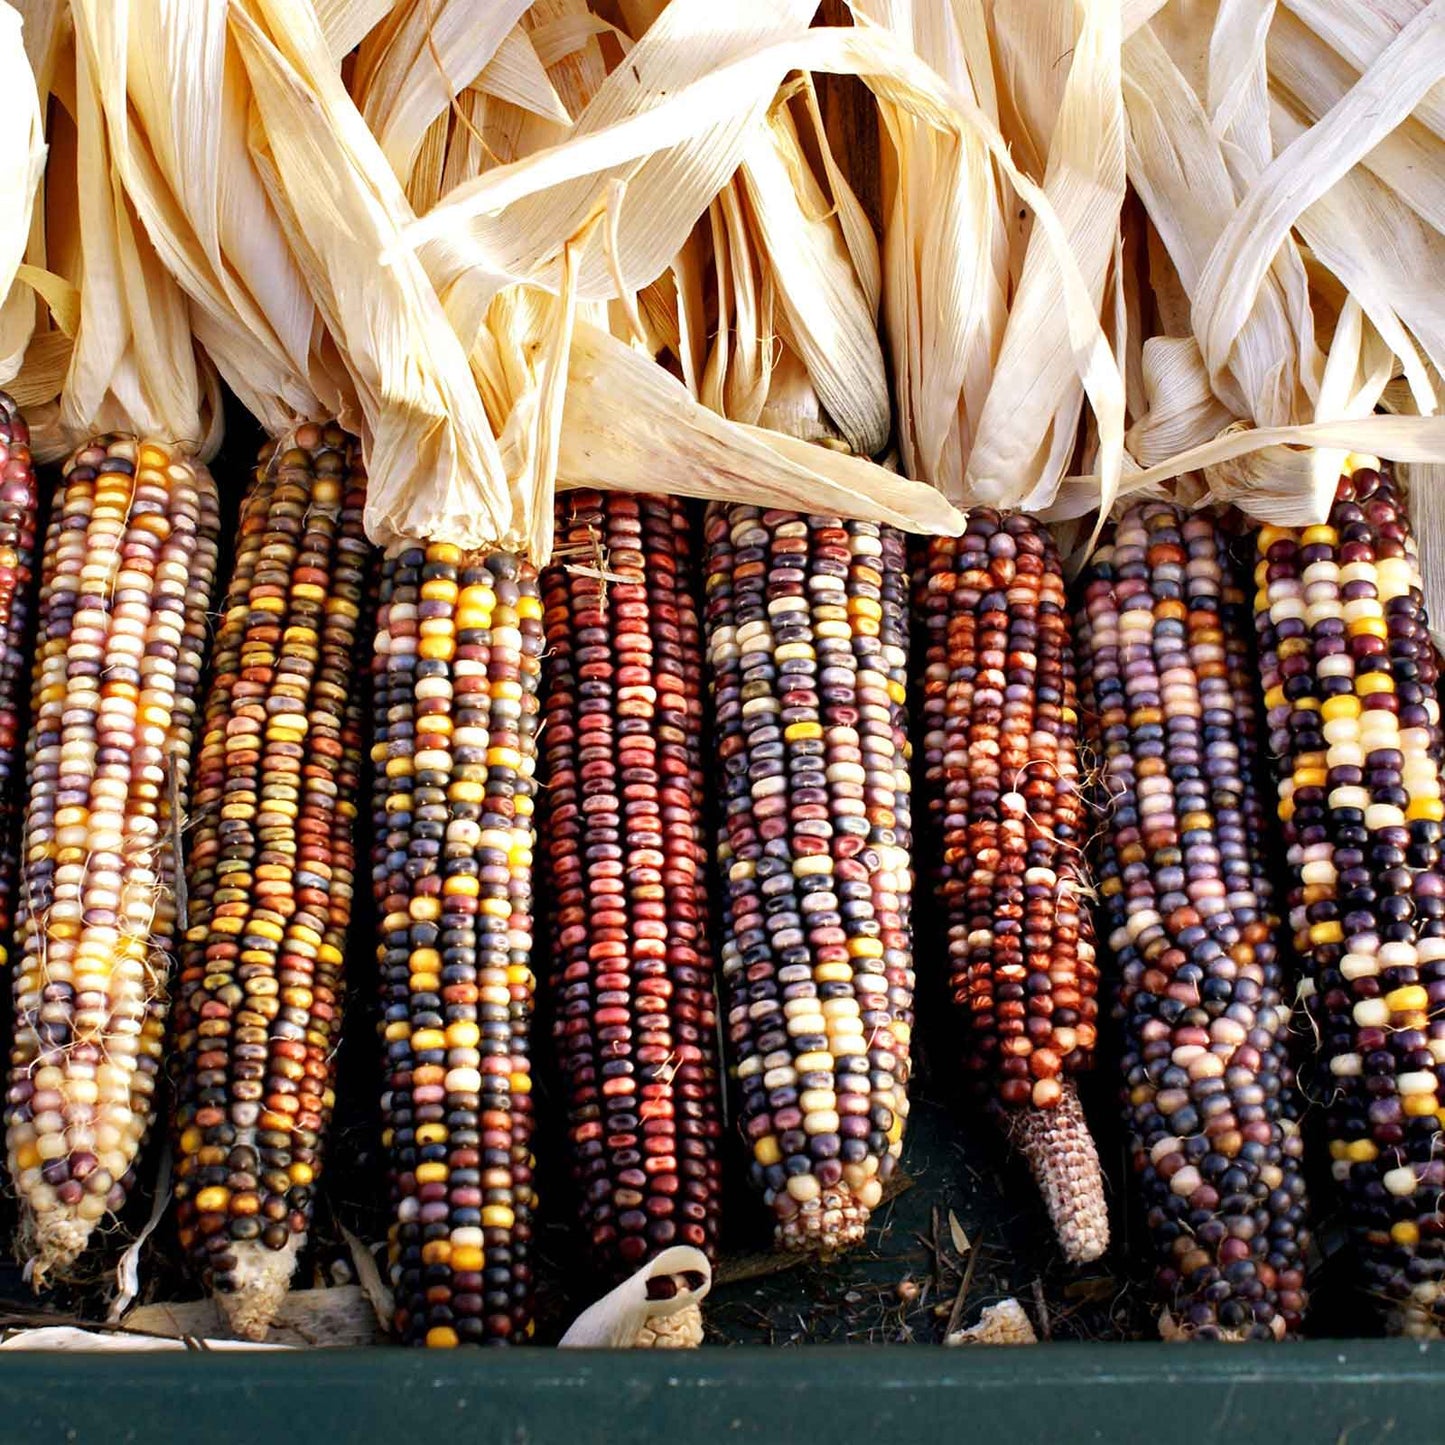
(1351,1394)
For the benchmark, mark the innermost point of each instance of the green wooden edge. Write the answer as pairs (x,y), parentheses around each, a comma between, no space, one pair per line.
(1348,1393)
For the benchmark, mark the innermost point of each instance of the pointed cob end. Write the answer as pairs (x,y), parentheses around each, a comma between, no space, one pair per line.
(836,1220)
(260,1282)
(1061,1156)
(681,1330)
(51,1243)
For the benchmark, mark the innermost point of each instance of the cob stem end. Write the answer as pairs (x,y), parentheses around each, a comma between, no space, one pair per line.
(51,1244)
(1061,1156)
(261,1280)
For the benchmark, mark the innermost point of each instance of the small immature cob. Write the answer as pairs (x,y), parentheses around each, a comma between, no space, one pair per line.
(1002,768)
(129,562)
(1354,727)
(458,661)
(806,623)
(19,525)
(1184,885)
(270,875)
(632,979)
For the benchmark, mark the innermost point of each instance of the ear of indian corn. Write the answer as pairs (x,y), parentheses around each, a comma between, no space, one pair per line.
(632,980)
(806,630)
(457,666)
(128,567)
(1209,1092)
(270,875)
(19,534)
(1354,727)
(1001,766)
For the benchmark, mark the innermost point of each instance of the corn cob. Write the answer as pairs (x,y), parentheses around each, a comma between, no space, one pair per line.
(270,875)
(19,528)
(1354,723)
(1002,769)
(1184,887)
(632,981)
(806,629)
(129,562)
(458,660)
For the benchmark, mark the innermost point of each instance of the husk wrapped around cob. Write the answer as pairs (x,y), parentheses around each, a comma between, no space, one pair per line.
(126,578)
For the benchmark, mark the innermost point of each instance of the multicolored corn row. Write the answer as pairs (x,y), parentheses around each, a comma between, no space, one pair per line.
(458,662)
(19,535)
(270,875)
(632,981)
(1354,727)
(1184,886)
(128,568)
(1002,768)
(806,622)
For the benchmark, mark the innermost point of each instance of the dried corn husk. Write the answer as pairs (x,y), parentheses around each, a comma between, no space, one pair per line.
(131,364)
(673,123)
(22,161)
(1289,157)
(176,101)
(465,424)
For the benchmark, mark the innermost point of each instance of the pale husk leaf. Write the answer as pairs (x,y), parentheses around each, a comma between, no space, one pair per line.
(1028,429)
(22,162)
(496,229)
(409,70)
(176,100)
(433,461)
(946,247)
(133,367)
(1230,173)
(826,315)
(630,426)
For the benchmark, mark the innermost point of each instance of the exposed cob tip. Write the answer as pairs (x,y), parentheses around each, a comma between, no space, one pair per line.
(260,1281)
(681,1330)
(837,1219)
(51,1245)
(1059,1150)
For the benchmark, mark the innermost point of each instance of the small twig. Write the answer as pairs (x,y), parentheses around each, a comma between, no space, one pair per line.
(1041,1306)
(961,1298)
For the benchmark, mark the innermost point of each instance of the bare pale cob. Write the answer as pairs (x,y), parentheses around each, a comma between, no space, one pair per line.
(270,875)
(19,535)
(129,564)
(1210,1095)
(632,982)
(806,628)
(1002,770)
(457,667)
(1354,728)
